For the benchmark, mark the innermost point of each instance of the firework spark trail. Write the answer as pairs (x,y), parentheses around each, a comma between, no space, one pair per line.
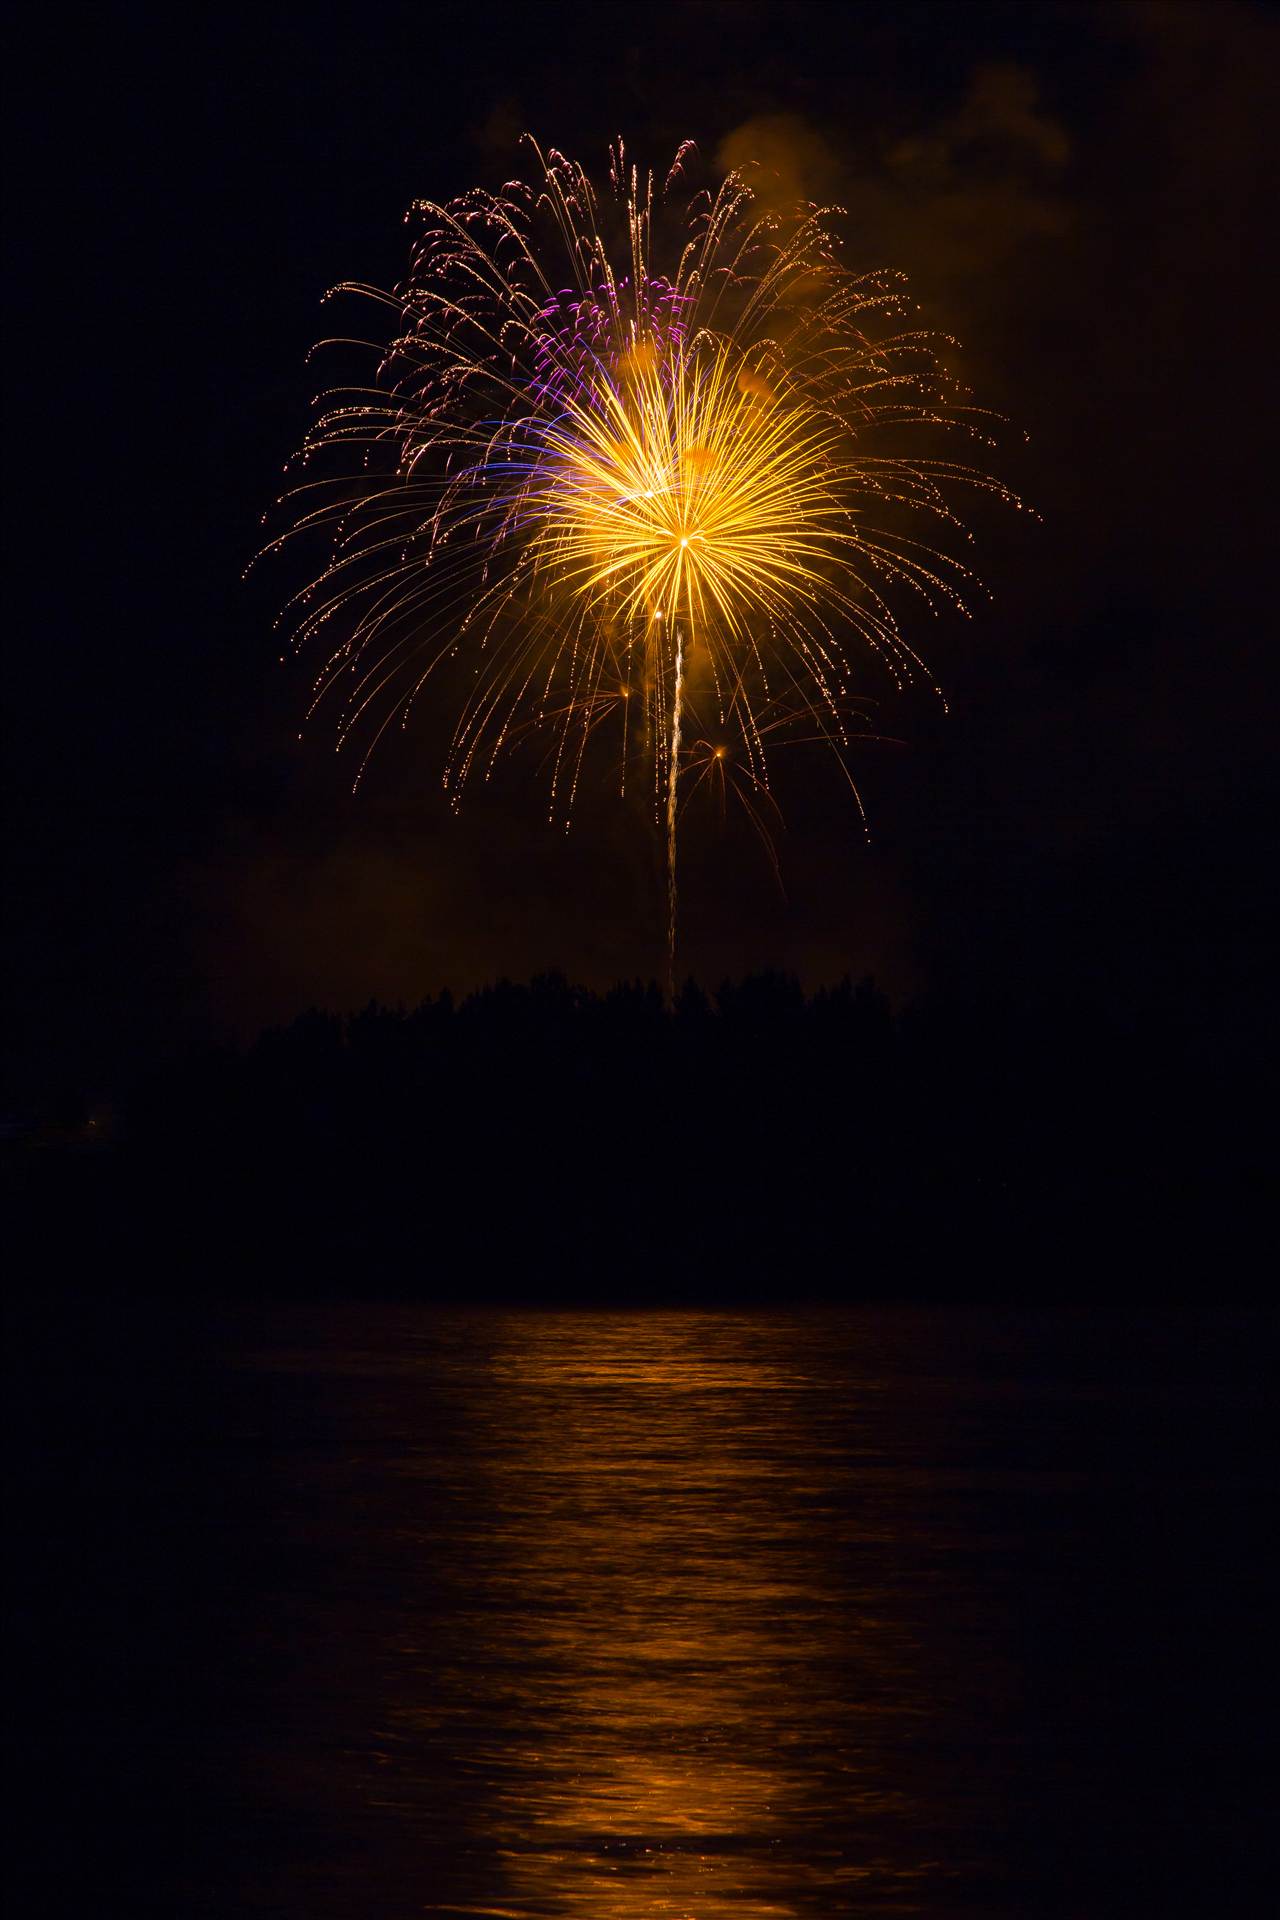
(673,774)
(581,474)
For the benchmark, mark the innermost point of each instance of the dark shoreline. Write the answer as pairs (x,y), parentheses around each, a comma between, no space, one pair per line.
(545,1143)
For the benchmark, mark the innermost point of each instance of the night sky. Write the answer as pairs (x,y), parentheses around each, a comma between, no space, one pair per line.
(1078,192)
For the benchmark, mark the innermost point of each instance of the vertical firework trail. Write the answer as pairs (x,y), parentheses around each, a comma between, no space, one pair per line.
(673,774)
(630,440)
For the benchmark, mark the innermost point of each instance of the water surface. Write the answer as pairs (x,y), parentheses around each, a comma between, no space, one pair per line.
(339,1612)
(720,1617)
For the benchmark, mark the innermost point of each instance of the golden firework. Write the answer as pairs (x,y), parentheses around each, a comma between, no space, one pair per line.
(630,456)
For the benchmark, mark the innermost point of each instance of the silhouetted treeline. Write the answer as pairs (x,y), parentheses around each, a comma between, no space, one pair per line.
(546,1141)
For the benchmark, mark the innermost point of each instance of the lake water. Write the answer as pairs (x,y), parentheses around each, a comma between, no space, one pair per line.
(684,1616)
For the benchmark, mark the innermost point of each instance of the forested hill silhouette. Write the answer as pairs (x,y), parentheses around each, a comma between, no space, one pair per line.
(542,1141)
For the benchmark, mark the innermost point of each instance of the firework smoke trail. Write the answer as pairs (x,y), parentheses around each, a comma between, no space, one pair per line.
(630,440)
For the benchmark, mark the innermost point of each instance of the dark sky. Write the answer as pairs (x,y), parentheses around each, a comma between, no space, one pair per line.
(1083,194)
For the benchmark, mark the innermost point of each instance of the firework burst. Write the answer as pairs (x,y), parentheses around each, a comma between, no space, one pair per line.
(634,458)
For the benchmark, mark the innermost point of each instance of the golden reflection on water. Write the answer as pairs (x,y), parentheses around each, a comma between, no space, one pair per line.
(665,1632)
(681,1616)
